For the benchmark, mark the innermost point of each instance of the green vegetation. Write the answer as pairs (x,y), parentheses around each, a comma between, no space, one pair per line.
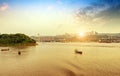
(15,39)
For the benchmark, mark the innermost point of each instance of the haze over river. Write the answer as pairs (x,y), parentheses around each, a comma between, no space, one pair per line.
(59,59)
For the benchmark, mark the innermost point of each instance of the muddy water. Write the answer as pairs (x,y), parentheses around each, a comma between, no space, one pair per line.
(59,59)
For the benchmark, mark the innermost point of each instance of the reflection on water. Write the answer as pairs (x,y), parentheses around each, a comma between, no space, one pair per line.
(59,59)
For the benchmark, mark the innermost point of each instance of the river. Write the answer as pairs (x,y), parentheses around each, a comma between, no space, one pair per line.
(59,59)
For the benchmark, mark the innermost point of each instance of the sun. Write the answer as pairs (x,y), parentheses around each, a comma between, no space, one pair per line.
(81,34)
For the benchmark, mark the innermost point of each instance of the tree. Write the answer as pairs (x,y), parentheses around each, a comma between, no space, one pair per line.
(15,39)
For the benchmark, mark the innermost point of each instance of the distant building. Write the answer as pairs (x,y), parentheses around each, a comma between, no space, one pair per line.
(89,37)
(47,39)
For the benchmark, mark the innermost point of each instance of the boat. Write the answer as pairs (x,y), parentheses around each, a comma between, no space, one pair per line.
(5,49)
(19,53)
(78,52)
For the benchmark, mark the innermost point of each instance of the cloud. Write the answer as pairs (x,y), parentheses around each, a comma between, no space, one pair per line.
(51,7)
(4,7)
(101,11)
(114,9)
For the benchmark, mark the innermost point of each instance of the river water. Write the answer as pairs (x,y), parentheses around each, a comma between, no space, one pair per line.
(59,59)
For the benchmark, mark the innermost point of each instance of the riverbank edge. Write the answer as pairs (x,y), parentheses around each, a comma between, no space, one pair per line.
(20,44)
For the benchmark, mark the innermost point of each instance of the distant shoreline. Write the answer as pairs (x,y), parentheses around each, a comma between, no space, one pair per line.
(28,44)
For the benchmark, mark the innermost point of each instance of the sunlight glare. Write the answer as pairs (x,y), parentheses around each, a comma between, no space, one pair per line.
(81,34)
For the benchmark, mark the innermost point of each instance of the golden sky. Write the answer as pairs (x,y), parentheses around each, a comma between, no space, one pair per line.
(52,17)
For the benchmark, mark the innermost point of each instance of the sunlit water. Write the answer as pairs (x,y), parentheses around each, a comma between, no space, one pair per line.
(59,59)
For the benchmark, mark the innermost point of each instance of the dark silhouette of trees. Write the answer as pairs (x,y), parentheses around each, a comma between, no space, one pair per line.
(15,39)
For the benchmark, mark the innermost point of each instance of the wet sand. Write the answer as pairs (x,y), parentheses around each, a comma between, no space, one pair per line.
(59,59)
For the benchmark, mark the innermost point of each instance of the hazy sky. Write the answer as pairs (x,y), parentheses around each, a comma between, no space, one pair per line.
(52,17)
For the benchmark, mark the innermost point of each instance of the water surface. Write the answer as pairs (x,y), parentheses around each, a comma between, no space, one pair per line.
(59,59)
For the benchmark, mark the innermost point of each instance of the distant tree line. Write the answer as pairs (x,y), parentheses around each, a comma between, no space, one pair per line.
(15,39)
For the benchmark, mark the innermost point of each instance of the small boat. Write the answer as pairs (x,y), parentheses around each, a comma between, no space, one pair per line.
(5,49)
(78,52)
(19,53)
